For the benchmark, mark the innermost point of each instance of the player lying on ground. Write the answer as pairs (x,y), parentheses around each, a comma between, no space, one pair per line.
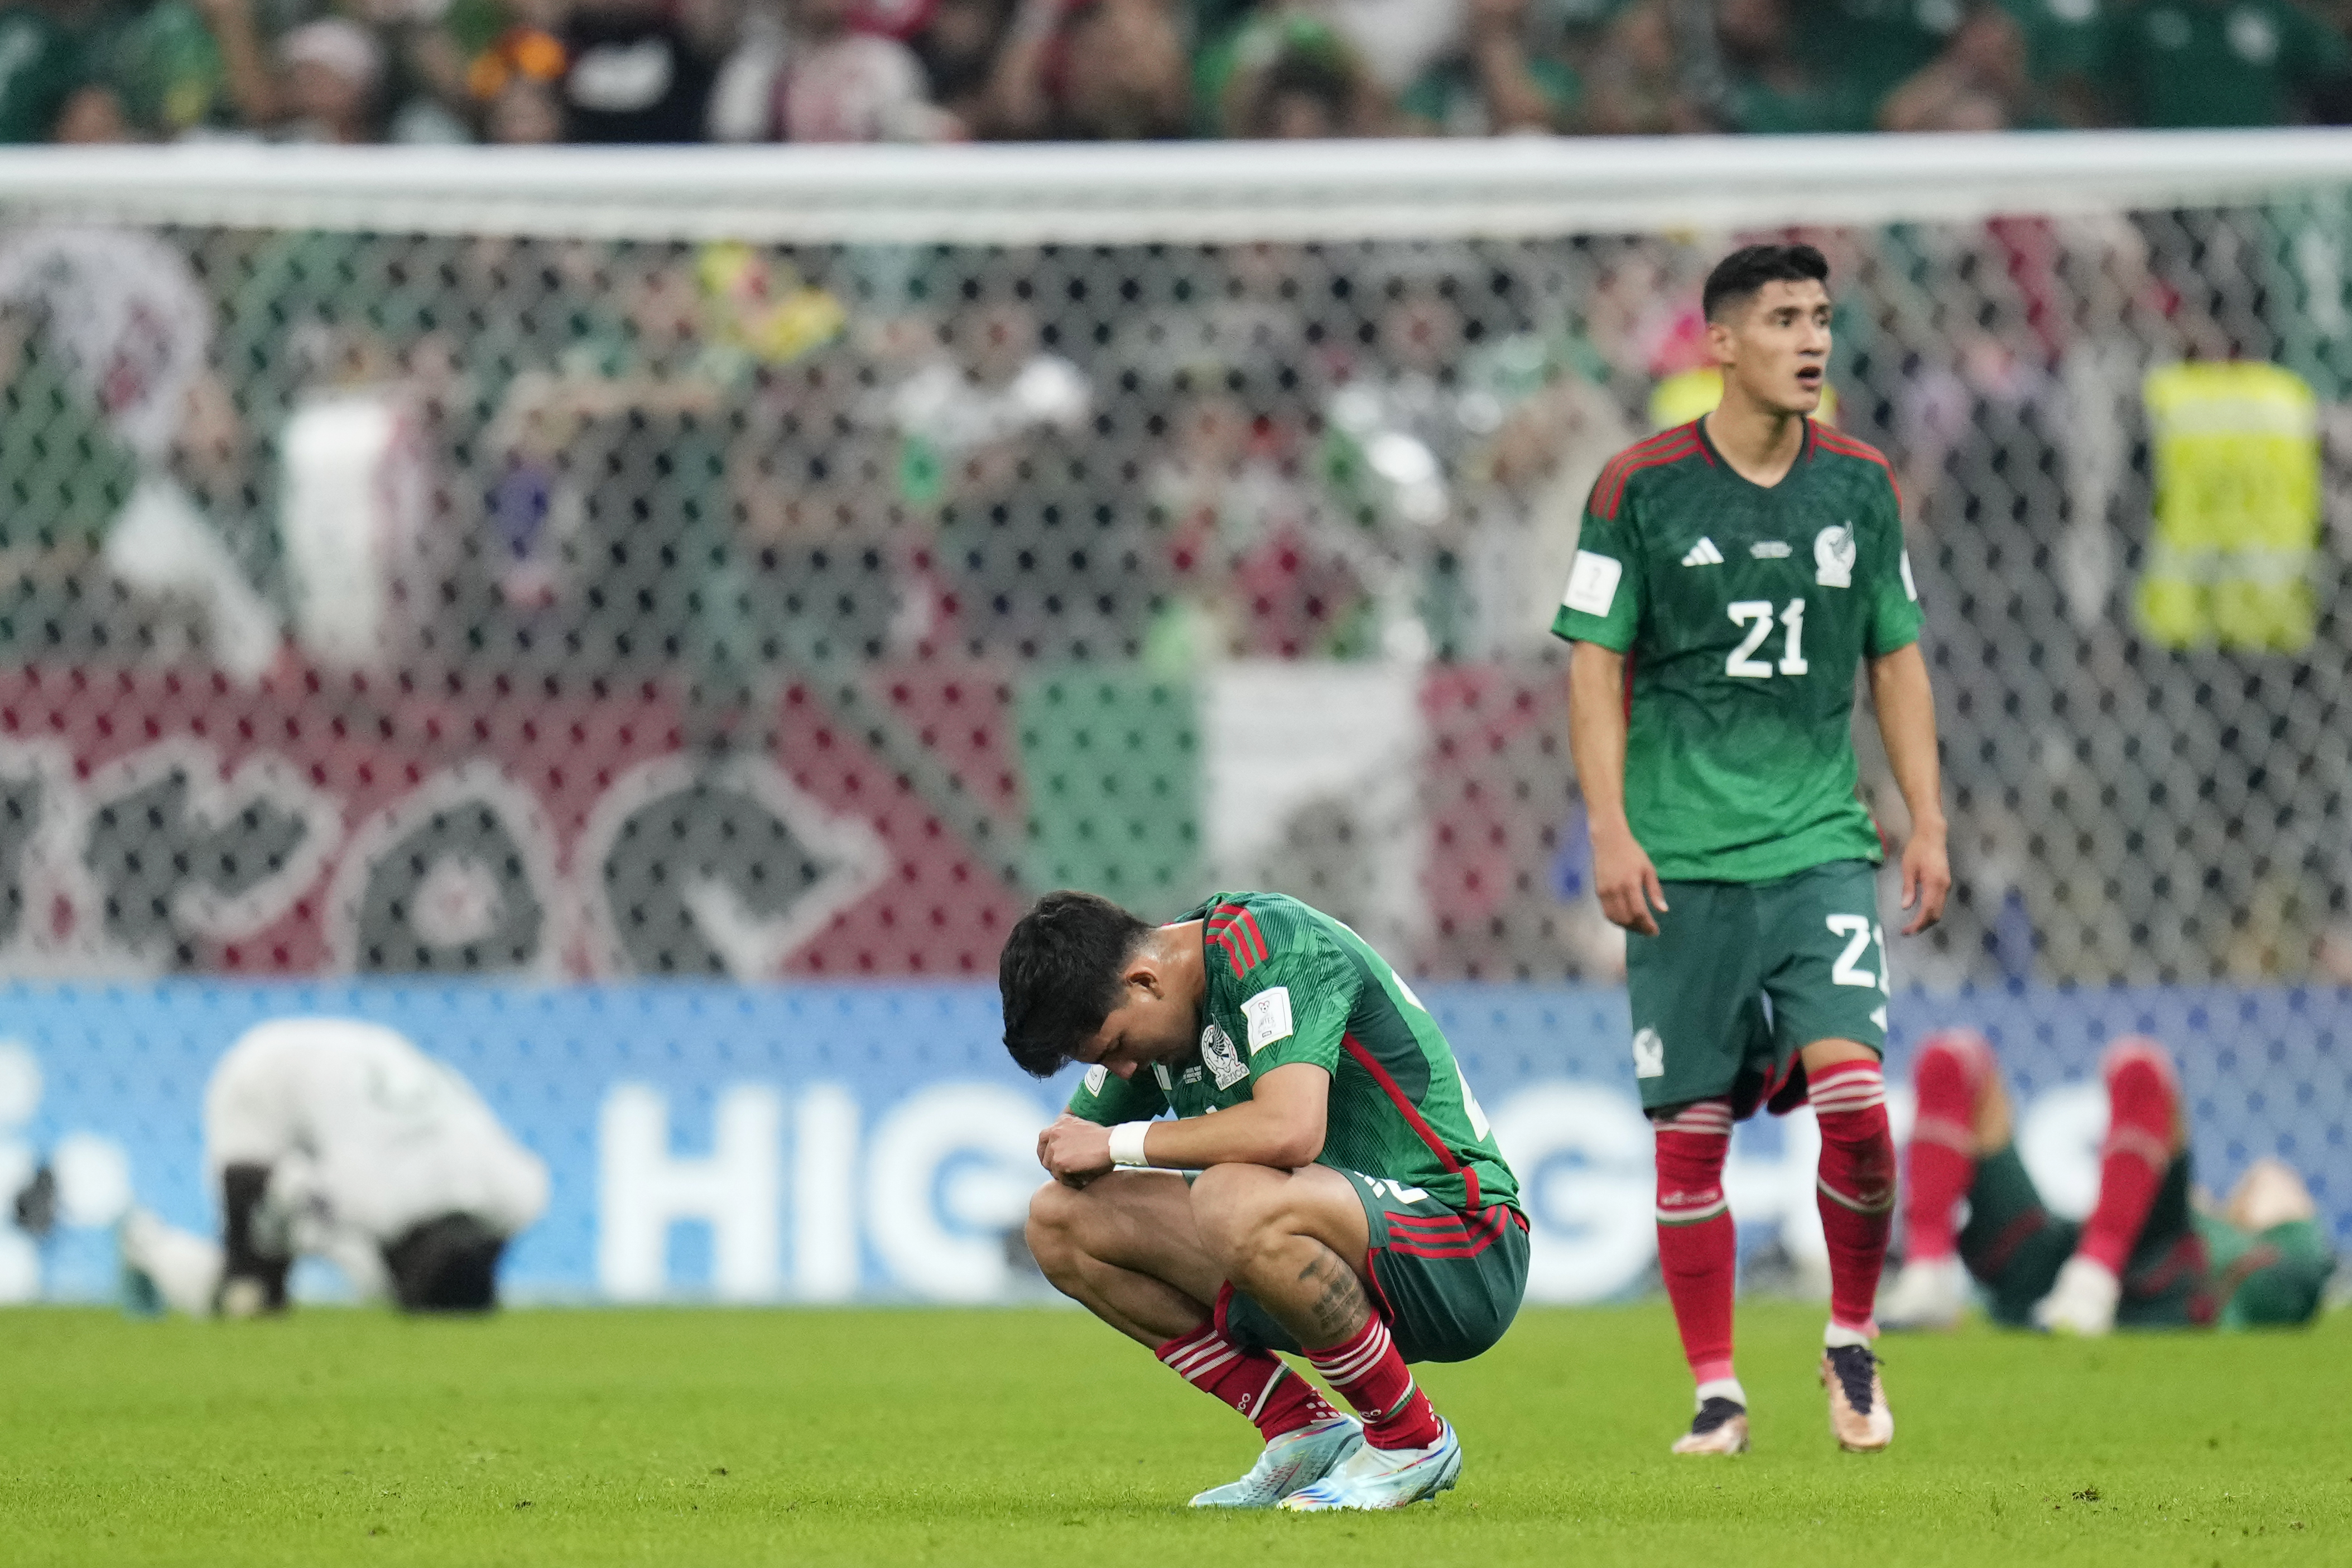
(336,1139)
(2144,1258)
(1731,576)
(1347,1202)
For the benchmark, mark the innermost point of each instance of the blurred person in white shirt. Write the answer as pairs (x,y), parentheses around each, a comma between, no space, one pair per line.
(338,1139)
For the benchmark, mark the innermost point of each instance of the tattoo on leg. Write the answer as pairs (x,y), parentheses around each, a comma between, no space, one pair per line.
(1341,1307)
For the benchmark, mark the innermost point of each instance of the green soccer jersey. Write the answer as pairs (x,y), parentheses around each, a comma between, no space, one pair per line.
(1744,612)
(1289,984)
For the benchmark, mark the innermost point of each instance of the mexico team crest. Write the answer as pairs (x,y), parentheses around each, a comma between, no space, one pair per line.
(1649,1054)
(1833,555)
(1218,1055)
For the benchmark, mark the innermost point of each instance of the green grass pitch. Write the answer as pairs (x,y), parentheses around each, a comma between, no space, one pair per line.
(1037,1437)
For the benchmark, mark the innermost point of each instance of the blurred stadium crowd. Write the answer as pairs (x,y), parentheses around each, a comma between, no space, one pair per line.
(670,72)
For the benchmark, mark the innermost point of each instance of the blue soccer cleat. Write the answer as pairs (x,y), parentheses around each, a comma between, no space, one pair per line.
(1293,1460)
(1385,1478)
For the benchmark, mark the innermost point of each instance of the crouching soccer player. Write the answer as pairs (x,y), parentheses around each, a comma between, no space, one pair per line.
(1347,1202)
(338,1139)
(2145,1259)
(1732,576)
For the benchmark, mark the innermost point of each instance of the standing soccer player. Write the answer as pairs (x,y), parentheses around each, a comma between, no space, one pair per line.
(1731,575)
(1347,1201)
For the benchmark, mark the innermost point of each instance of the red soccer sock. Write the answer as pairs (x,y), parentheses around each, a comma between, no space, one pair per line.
(1367,1368)
(2143,1106)
(1258,1385)
(1699,1252)
(1856,1186)
(1941,1162)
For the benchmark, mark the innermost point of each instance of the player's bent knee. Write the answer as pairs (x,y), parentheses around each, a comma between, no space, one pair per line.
(1051,1230)
(1241,1209)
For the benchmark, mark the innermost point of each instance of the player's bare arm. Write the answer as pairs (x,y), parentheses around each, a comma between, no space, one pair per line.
(1622,876)
(1906,722)
(1280,1127)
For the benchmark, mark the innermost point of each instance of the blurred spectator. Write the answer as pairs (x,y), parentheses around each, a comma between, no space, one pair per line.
(1090,70)
(1398,40)
(843,84)
(2065,42)
(1768,88)
(957,47)
(1494,82)
(334,71)
(1258,568)
(518,81)
(39,68)
(424,95)
(94,117)
(1285,77)
(614,510)
(2184,63)
(1636,78)
(171,68)
(1979,83)
(1855,52)
(634,73)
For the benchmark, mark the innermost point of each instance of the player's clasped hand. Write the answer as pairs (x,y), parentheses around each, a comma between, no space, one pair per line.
(1628,883)
(1073,1151)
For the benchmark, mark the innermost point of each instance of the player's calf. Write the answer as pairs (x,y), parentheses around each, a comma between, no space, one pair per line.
(257,1257)
(2144,1132)
(1286,1239)
(1856,1188)
(1950,1076)
(1698,1259)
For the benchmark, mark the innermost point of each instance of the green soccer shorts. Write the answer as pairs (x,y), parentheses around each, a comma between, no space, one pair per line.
(2187,1270)
(1743,975)
(1447,1283)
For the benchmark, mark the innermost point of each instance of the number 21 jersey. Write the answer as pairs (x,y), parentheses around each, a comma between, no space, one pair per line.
(1744,612)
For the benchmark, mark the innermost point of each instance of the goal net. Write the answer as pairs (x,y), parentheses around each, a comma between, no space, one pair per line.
(582,564)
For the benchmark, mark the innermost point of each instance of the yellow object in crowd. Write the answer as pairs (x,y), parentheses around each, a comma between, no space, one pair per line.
(1687,394)
(2236,451)
(766,312)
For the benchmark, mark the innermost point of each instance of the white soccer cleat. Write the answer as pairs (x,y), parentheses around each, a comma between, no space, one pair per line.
(2081,1303)
(1719,1427)
(1859,1419)
(1930,1293)
(1385,1478)
(1289,1462)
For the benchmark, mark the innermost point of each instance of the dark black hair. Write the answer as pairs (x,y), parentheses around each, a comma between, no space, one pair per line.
(1738,276)
(1060,975)
(448,1264)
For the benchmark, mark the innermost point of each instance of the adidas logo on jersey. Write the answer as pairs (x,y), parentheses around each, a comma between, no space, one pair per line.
(1703,553)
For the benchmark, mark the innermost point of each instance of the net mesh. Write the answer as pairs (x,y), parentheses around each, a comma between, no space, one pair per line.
(495,603)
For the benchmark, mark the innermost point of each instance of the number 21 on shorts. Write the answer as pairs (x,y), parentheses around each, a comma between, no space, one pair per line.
(1860,931)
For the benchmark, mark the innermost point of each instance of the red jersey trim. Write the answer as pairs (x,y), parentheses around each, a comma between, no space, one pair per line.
(1379,1075)
(1835,440)
(1234,928)
(1666,446)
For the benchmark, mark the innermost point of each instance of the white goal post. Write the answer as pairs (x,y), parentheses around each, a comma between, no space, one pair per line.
(1136,194)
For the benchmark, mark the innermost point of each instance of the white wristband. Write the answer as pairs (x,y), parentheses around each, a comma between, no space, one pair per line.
(1127,1144)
